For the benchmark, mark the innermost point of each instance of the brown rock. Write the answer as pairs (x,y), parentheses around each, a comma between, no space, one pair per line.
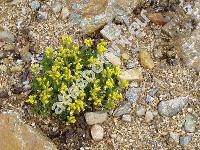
(132,74)
(95,7)
(97,132)
(14,134)
(145,59)
(157,18)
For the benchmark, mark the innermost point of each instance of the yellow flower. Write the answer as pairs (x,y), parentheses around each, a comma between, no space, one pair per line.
(66,40)
(71,119)
(88,42)
(92,59)
(78,66)
(63,87)
(100,48)
(117,71)
(49,52)
(35,68)
(110,83)
(124,83)
(32,99)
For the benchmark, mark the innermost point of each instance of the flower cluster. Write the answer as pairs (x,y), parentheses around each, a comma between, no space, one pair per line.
(72,79)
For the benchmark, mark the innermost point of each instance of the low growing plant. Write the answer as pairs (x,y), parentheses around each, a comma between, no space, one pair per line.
(60,70)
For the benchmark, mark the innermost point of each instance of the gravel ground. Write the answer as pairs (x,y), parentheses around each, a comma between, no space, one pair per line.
(170,78)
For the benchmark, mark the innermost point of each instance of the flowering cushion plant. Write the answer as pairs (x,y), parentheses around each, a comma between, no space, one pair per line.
(73,79)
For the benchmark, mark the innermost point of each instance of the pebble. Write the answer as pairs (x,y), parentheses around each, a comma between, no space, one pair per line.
(3,94)
(172,107)
(132,94)
(113,59)
(132,74)
(124,108)
(190,123)
(57,7)
(145,59)
(8,47)
(157,19)
(126,118)
(111,32)
(174,136)
(35,5)
(185,140)
(95,117)
(140,111)
(97,132)
(149,116)
(7,36)
(42,15)
(149,99)
(64,13)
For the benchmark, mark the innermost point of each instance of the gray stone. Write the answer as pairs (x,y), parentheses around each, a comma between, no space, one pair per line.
(42,15)
(126,118)
(95,117)
(140,111)
(57,7)
(97,132)
(190,123)
(185,140)
(64,13)
(132,94)
(7,36)
(124,108)
(174,136)
(15,134)
(111,32)
(172,107)
(35,5)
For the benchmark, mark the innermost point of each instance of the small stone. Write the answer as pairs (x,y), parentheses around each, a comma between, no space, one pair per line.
(126,118)
(7,36)
(64,13)
(190,123)
(57,7)
(145,59)
(157,19)
(140,111)
(97,132)
(125,56)
(95,117)
(124,108)
(185,140)
(172,107)
(3,94)
(113,59)
(9,47)
(149,116)
(35,5)
(15,69)
(111,32)
(132,74)
(132,94)
(149,99)
(174,136)
(42,15)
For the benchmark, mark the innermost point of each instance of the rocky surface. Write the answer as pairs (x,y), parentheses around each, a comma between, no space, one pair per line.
(95,117)
(97,132)
(14,134)
(172,107)
(171,67)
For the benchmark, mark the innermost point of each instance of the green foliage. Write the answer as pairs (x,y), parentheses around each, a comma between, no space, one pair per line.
(59,72)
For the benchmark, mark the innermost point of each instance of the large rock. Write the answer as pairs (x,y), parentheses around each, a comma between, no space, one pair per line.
(132,74)
(172,107)
(95,117)
(190,45)
(124,108)
(14,134)
(97,132)
(94,14)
